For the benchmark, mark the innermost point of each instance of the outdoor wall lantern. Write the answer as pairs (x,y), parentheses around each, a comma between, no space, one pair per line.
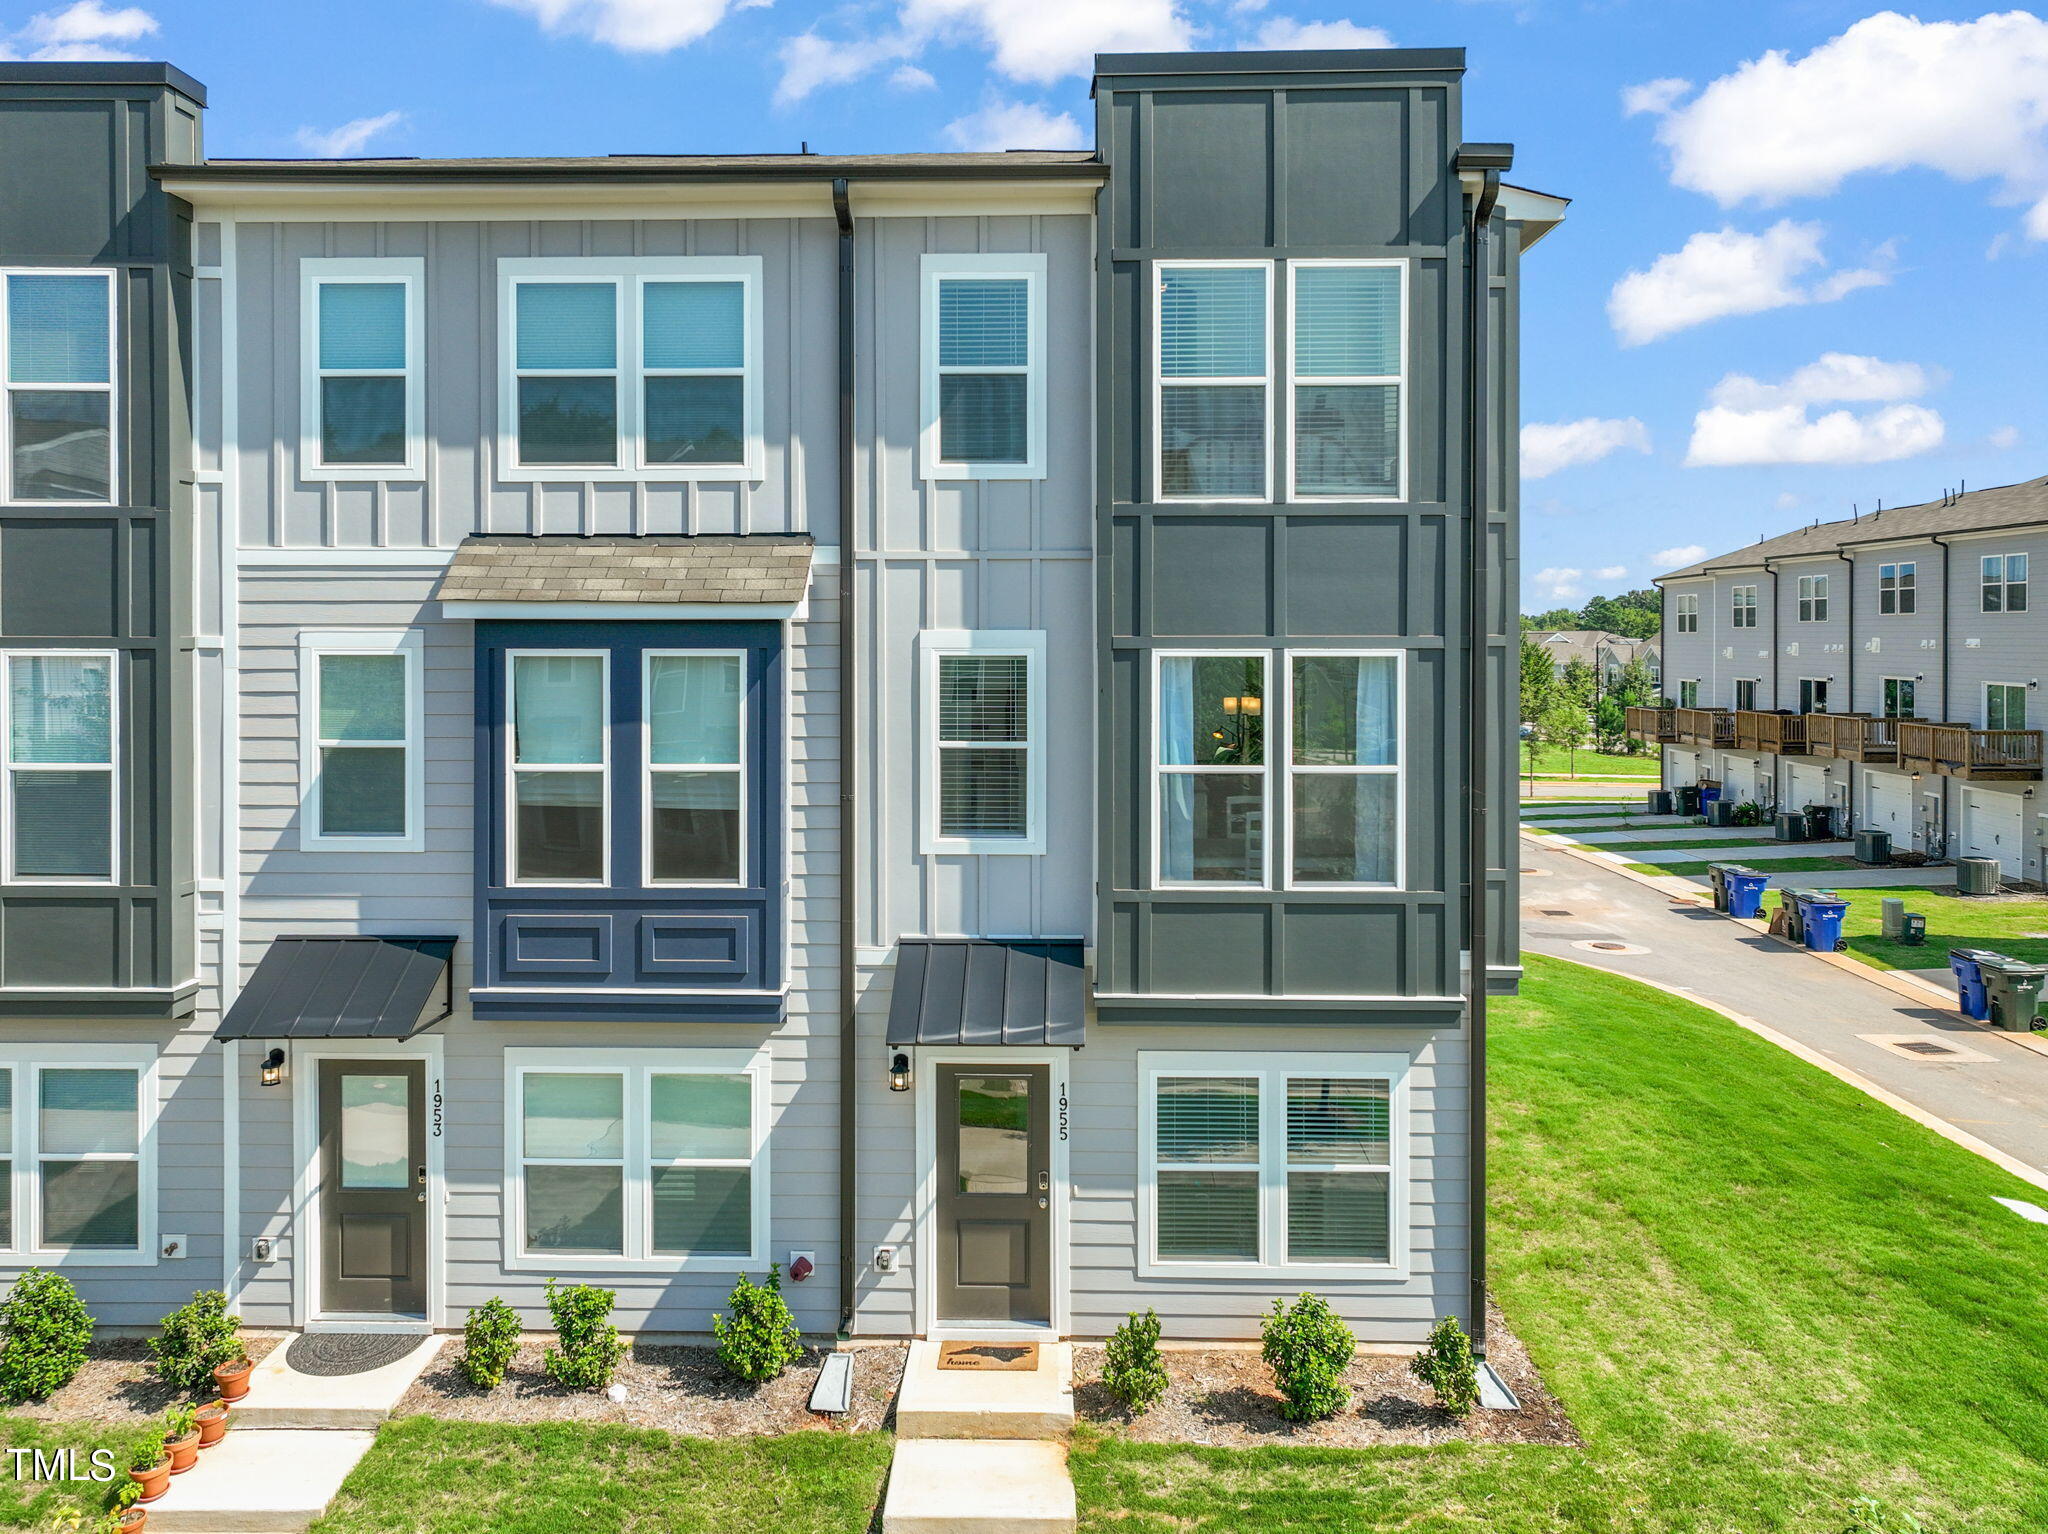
(899,1072)
(273,1068)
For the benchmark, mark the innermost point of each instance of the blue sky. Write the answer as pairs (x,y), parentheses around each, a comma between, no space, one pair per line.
(1805,265)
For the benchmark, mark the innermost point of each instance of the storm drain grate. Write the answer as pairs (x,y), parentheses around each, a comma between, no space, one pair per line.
(1557,913)
(1926,1047)
(1917,1046)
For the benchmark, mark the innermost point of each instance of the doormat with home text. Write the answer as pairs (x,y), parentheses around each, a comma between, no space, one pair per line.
(1019,1356)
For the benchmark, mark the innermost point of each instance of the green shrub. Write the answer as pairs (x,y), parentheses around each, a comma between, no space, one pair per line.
(760,1340)
(1748,813)
(1309,1349)
(197,1339)
(44,1331)
(490,1339)
(1132,1369)
(591,1345)
(1446,1366)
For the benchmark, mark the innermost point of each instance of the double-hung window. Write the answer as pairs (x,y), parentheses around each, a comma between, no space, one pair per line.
(1813,599)
(1742,607)
(363,341)
(1345,389)
(630,367)
(560,767)
(360,757)
(76,1153)
(1290,1164)
(661,1161)
(57,358)
(1330,773)
(984,367)
(1214,328)
(984,716)
(2005,706)
(62,722)
(1895,588)
(695,783)
(2004,583)
(1898,697)
(1686,620)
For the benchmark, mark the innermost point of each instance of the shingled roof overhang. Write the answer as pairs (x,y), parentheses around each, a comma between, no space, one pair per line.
(566,575)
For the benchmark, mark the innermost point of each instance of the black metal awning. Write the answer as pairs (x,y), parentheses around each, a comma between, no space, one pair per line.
(343,988)
(968,991)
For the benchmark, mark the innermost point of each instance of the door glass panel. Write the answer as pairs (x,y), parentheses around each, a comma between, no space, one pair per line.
(994,1115)
(375,1137)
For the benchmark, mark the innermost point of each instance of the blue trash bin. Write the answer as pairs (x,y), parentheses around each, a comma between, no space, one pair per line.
(1969,982)
(1745,891)
(1823,921)
(1709,793)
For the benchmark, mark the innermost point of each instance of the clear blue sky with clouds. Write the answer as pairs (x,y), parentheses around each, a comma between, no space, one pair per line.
(1806,265)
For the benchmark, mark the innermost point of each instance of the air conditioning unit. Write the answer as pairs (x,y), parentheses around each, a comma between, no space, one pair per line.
(1791,826)
(1976,876)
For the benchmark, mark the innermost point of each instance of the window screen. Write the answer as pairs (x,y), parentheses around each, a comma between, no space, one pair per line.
(362,379)
(984,744)
(1213,329)
(59,385)
(984,367)
(1347,380)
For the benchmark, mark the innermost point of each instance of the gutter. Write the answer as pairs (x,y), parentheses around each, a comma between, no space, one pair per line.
(849,971)
(1489,161)
(595,171)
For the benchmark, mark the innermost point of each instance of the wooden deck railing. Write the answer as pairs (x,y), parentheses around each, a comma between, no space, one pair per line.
(1758,730)
(1705,726)
(1958,751)
(1852,737)
(1649,724)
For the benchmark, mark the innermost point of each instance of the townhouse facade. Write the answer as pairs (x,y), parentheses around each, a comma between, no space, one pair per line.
(1608,654)
(1887,665)
(920,719)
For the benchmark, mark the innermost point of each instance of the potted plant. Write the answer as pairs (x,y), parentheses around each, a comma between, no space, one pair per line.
(150,1470)
(213,1423)
(181,1436)
(127,1518)
(233,1378)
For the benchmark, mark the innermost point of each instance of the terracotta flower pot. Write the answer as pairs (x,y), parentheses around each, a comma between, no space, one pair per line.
(132,1520)
(213,1424)
(233,1379)
(183,1451)
(154,1481)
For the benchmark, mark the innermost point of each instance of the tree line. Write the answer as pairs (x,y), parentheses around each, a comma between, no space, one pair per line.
(1633,615)
(1568,710)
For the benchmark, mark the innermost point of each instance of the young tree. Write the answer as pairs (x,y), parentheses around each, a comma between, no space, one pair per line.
(1632,689)
(1539,679)
(1562,727)
(1581,683)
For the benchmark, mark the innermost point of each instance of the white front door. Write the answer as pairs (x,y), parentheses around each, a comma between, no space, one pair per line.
(1888,806)
(1991,828)
(1805,785)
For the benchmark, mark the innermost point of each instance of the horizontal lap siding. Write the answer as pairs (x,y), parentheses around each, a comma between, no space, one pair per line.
(1899,644)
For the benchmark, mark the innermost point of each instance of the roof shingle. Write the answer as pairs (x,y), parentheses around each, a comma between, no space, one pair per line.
(763,569)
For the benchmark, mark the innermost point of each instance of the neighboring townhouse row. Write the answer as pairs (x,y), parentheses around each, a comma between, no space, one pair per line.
(1888,665)
(909,717)
(1607,654)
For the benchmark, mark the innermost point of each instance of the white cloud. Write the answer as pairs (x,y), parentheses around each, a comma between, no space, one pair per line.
(1678,558)
(1748,421)
(86,30)
(911,78)
(1014,125)
(1610,572)
(2004,436)
(1037,41)
(350,137)
(631,26)
(1548,446)
(1786,500)
(1560,583)
(1286,32)
(1968,99)
(1722,272)
(1658,96)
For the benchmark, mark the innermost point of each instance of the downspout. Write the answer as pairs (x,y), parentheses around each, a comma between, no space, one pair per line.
(1849,678)
(849,882)
(1478,727)
(1947,604)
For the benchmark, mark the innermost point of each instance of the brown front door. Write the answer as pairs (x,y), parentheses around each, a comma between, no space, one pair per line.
(994,1194)
(373,1187)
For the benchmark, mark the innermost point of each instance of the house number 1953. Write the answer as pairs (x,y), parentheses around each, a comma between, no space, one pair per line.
(437,1107)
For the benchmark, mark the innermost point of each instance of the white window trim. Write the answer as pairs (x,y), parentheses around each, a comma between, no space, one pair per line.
(407,644)
(111,766)
(1742,599)
(1687,613)
(1694,683)
(2018,687)
(2003,581)
(111,388)
(1029,643)
(1398,379)
(1290,771)
(635,1066)
(628,276)
(1755,684)
(410,273)
(1159,385)
(648,768)
(1813,599)
(1905,584)
(1896,682)
(1160,770)
(27,1062)
(512,769)
(1816,686)
(1272,1070)
(1031,268)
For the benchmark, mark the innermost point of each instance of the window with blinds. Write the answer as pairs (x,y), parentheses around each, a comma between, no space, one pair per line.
(361,741)
(695,784)
(984,366)
(1213,325)
(694,367)
(1347,378)
(661,1163)
(560,745)
(361,357)
(983,720)
(61,725)
(57,362)
(1290,1167)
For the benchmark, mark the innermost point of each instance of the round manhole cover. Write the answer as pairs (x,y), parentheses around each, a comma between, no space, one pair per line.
(1535,873)
(1608,945)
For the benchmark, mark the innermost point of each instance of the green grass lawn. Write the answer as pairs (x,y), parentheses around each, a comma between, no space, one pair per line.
(1588,763)
(1760,1294)
(1772,865)
(1953,921)
(27,1502)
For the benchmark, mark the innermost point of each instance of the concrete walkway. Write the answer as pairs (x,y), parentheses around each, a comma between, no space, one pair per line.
(1989,1086)
(1654,851)
(982,1451)
(1685,835)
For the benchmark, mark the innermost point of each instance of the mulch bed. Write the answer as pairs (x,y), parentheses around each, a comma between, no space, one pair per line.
(1224,1397)
(118,1385)
(677,1389)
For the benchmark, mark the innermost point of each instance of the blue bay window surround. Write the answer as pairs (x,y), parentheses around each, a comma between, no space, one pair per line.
(631,861)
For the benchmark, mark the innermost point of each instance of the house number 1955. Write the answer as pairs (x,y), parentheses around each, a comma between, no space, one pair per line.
(1063,1110)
